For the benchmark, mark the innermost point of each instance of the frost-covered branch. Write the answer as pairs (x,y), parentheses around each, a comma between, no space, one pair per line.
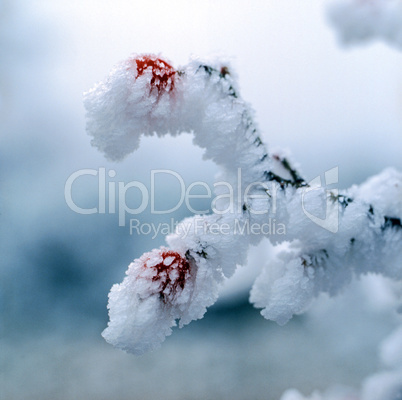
(366,240)
(360,232)
(364,20)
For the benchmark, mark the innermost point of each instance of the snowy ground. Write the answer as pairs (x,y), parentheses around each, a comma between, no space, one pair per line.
(232,353)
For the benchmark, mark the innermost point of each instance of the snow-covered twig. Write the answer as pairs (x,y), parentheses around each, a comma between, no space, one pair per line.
(360,232)
(362,20)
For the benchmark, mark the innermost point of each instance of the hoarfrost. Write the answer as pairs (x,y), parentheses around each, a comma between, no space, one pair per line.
(154,294)
(364,20)
(329,237)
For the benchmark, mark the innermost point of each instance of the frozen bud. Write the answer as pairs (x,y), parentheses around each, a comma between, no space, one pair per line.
(162,286)
(167,270)
(135,99)
(161,73)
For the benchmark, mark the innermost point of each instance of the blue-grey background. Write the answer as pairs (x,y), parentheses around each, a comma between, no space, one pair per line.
(329,106)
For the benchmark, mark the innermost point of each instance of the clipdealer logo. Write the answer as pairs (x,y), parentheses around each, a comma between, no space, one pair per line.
(257,198)
(229,200)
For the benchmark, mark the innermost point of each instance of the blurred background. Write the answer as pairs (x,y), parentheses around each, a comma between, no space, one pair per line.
(330,106)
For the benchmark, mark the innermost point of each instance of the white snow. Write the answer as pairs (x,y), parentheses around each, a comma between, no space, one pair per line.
(328,238)
(359,21)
